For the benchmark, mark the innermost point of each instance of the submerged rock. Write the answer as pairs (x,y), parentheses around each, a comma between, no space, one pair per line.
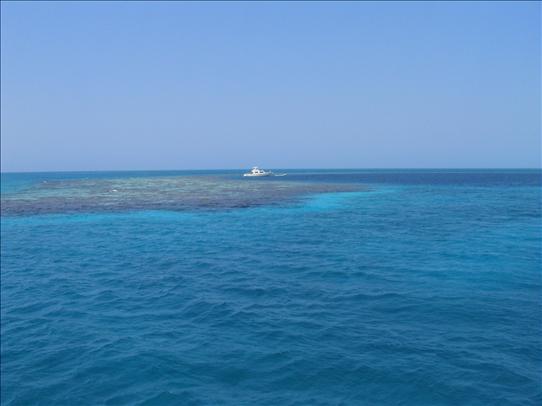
(159,193)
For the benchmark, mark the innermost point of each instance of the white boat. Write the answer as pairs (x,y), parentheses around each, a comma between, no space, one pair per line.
(255,171)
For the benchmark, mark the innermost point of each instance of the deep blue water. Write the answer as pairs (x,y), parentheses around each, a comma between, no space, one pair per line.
(405,288)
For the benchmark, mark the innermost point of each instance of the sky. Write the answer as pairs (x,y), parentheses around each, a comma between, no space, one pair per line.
(182,85)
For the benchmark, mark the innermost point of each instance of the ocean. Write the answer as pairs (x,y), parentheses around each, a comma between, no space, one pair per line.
(323,287)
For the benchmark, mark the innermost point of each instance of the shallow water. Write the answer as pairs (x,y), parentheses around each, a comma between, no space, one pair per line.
(203,192)
(322,287)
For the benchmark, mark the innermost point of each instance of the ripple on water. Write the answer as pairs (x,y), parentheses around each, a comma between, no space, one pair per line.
(414,295)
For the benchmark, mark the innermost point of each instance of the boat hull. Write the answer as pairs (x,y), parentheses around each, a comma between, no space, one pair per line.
(257,175)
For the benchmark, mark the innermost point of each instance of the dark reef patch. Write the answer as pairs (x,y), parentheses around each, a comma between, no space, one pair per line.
(158,193)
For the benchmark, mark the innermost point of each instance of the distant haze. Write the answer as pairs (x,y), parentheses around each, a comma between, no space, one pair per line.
(172,85)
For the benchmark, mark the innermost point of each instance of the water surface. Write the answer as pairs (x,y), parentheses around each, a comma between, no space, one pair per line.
(320,288)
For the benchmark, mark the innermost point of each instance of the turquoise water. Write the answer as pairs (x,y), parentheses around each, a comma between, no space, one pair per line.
(319,288)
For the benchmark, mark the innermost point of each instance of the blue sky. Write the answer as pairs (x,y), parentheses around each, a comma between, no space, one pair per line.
(164,85)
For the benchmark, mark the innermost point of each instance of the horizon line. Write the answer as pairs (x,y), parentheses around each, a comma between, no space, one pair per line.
(282,168)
